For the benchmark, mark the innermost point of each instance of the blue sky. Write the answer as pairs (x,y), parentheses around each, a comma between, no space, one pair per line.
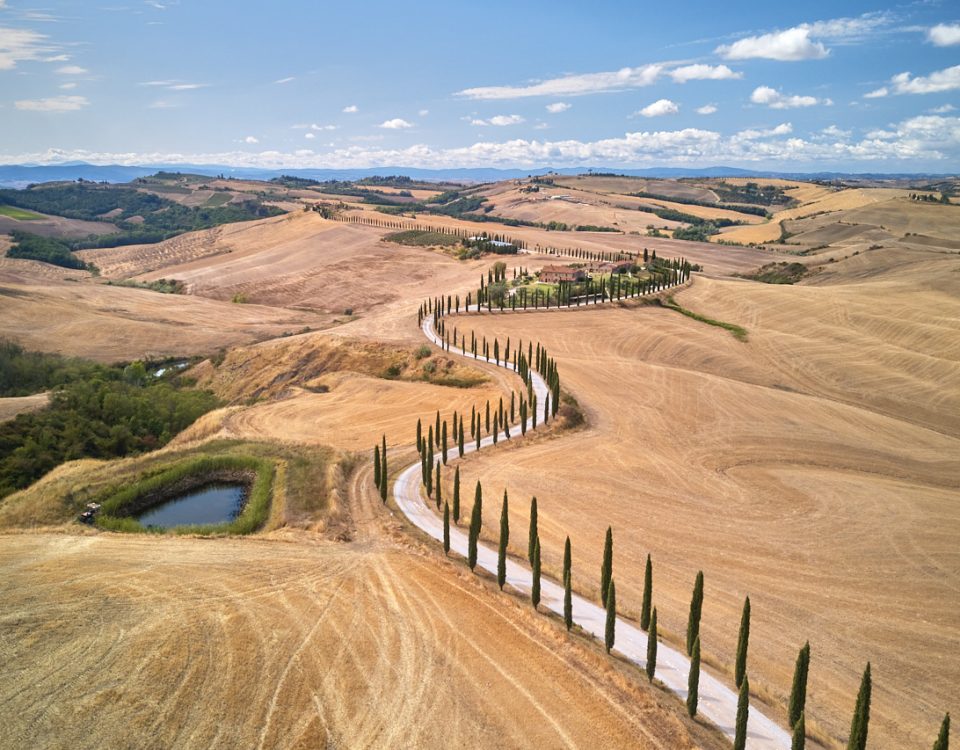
(810,86)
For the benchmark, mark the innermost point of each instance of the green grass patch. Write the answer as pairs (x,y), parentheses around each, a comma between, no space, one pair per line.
(778,273)
(117,510)
(739,332)
(19,214)
(44,249)
(164,286)
(218,199)
(422,238)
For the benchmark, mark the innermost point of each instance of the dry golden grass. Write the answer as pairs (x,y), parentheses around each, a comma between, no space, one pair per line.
(813,468)
(11,407)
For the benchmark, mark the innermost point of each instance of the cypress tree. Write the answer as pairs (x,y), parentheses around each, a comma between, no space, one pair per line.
(439,490)
(610,632)
(504,540)
(567,599)
(799,737)
(535,584)
(383,470)
(943,739)
(861,714)
(430,443)
(460,440)
(436,432)
(606,568)
(446,529)
(693,680)
(647,595)
(488,417)
(534,533)
(696,608)
(444,442)
(652,646)
(743,641)
(376,465)
(743,714)
(798,693)
(456,495)
(478,500)
(419,437)
(473,536)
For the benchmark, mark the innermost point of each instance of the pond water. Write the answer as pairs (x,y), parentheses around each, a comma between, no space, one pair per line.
(212,504)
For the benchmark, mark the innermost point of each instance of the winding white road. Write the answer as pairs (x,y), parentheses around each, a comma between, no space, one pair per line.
(717,703)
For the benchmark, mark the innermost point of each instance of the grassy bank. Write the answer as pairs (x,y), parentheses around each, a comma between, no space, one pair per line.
(739,332)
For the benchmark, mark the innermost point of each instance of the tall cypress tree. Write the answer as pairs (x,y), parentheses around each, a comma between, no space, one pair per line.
(535,584)
(444,441)
(473,535)
(652,646)
(436,432)
(798,693)
(438,488)
(943,739)
(696,608)
(861,714)
(743,714)
(446,529)
(743,641)
(647,595)
(504,540)
(568,599)
(693,680)
(460,440)
(534,533)
(606,568)
(478,500)
(610,632)
(798,739)
(419,436)
(456,495)
(376,466)
(383,470)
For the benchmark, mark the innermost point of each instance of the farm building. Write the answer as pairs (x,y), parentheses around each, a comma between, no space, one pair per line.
(555,274)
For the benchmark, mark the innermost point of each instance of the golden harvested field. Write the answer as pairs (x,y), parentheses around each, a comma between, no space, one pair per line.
(813,468)
(11,407)
(290,642)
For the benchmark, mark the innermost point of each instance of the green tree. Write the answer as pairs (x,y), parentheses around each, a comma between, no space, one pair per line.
(439,489)
(376,466)
(535,584)
(696,608)
(861,714)
(444,441)
(798,739)
(504,540)
(419,437)
(473,536)
(652,646)
(534,533)
(567,586)
(743,714)
(446,529)
(647,595)
(383,470)
(456,495)
(606,568)
(943,739)
(610,632)
(743,641)
(460,447)
(798,693)
(693,679)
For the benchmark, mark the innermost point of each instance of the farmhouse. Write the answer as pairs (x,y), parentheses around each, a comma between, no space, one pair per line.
(555,274)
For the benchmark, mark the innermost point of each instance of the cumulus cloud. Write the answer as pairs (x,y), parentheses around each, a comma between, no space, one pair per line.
(20,45)
(947,79)
(67,86)
(499,121)
(751,134)
(877,93)
(701,72)
(790,45)
(315,126)
(396,124)
(251,139)
(944,34)
(707,109)
(775,100)
(53,104)
(943,109)
(572,85)
(557,107)
(660,108)
(309,136)
(71,70)
(353,108)
(423,112)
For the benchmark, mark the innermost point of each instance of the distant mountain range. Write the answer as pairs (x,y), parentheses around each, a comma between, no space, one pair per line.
(21,175)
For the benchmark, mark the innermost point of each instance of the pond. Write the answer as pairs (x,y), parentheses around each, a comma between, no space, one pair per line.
(211,504)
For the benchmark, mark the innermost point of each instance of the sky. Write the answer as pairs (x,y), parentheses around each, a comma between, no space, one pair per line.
(812,86)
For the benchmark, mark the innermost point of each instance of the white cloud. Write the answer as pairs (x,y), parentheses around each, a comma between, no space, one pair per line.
(309,136)
(947,79)
(707,109)
(700,72)
(286,80)
(499,120)
(174,85)
(877,93)
(541,126)
(163,104)
(314,126)
(945,34)
(572,85)
(775,100)
(943,109)
(251,139)
(20,45)
(927,139)
(833,131)
(790,45)
(396,124)
(56,58)
(660,108)
(67,86)
(53,104)
(557,107)
(71,70)
(423,112)
(750,134)
(351,109)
